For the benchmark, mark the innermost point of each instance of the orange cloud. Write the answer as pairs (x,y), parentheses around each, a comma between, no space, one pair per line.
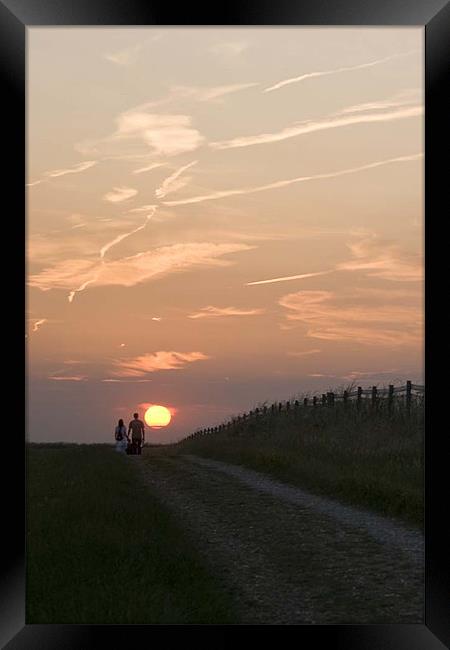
(214,312)
(382,259)
(335,319)
(305,353)
(153,362)
(73,378)
(132,270)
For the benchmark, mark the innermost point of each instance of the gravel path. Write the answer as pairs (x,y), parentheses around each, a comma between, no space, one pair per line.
(286,556)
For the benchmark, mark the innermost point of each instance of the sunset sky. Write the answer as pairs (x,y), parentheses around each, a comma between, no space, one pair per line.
(218,217)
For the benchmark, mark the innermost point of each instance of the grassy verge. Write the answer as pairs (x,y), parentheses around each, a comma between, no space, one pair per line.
(100,549)
(367,458)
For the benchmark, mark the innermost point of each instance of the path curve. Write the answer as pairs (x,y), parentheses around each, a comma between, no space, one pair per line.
(286,556)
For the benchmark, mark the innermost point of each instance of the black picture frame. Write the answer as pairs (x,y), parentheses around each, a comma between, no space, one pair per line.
(433,15)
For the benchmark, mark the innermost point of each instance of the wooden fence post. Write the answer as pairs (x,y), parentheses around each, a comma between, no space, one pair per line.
(288,406)
(315,400)
(374,396)
(408,396)
(280,407)
(296,404)
(345,397)
(391,398)
(330,399)
(359,398)
(324,399)
(305,401)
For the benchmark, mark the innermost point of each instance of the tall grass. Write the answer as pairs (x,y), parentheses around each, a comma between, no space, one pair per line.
(101,549)
(365,454)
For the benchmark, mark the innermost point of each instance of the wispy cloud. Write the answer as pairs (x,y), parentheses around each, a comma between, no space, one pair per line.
(132,270)
(319,375)
(208,93)
(103,251)
(382,259)
(220,312)
(154,362)
(288,277)
(170,185)
(332,71)
(72,378)
(229,49)
(126,381)
(148,168)
(305,353)
(120,194)
(356,374)
(334,318)
(291,181)
(144,208)
(377,257)
(55,173)
(126,56)
(166,134)
(410,96)
(129,55)
(76,169)
(332,122)
(44,249)
(37,323)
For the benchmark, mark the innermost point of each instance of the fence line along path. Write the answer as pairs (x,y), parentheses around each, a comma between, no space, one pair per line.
(374,395)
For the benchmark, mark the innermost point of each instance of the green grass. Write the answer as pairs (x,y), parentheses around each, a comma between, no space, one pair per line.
(370,458)
(101,549)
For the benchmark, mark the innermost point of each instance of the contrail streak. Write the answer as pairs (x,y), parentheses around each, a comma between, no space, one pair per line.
(120,238)
(323,73)
(288,277)
(291,181)
(331,122)
(55,173)
(149,168)
(165,187)
(104,250)
(82,287)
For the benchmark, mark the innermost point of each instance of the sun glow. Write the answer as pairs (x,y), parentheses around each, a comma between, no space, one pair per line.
(157,416)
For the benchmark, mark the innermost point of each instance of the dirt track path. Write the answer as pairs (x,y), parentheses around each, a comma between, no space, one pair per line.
(286,556)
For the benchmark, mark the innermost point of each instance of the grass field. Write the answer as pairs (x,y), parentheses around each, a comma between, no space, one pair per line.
(100,549)
(367,457)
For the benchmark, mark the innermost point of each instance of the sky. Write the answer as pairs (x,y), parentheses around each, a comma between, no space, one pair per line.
(217,217)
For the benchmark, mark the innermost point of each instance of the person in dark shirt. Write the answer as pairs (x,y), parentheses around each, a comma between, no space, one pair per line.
(137,430)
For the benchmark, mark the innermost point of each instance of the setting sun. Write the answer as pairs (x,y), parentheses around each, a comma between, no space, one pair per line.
(157,416)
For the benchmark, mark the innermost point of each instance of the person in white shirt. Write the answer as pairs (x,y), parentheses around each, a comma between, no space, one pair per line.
(120,434)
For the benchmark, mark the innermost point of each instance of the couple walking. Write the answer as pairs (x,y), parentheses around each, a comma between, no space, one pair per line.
(134,444)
